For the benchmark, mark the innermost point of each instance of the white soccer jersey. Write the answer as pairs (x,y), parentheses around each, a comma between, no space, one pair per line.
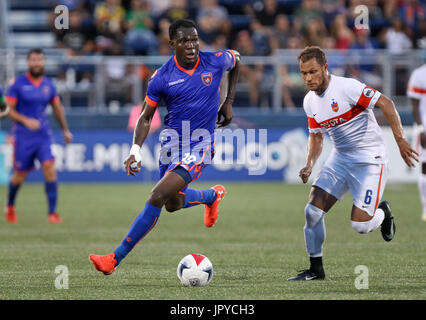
(344,110)
(417,89)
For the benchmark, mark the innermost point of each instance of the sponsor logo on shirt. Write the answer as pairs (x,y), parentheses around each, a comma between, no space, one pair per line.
(176,82)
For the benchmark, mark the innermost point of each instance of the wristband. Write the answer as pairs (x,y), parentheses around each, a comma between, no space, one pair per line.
(135,150)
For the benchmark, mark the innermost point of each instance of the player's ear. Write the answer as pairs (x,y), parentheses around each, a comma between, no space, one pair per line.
(172,44)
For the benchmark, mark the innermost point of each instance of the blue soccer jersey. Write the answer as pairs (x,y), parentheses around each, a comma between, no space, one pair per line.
(31,100)
(192,100)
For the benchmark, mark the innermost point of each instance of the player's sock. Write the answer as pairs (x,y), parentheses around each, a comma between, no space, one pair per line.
(143,223)
(51,189)
(316,265)
(11,196)
(371,225)
(195,197)
(314,230)
(422,190)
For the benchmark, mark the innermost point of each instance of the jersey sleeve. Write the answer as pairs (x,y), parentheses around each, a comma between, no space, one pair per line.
(54,94)
(12,94)
(361,95)
(415,89)
(155,90)
(226,58)
(313,125)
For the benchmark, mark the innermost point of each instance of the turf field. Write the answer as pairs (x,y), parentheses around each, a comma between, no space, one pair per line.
(256,244)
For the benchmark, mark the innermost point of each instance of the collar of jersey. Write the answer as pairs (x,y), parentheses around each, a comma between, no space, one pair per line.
(190,72)
(34,82)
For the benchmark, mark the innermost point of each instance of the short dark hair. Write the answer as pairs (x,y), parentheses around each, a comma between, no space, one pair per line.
(180,23)
(34,50)
(313,52)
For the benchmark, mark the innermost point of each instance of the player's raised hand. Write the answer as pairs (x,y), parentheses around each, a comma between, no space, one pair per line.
(132,166)
(408,153)
(304,173)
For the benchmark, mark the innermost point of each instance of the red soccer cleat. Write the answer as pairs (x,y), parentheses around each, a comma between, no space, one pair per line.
(54,218)
(10,214)
(105,264)
(211,212)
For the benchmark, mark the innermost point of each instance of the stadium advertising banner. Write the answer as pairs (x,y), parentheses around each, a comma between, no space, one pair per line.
(241,155)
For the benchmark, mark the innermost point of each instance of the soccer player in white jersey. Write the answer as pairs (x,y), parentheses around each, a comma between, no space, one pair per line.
(416,90)
(342,107)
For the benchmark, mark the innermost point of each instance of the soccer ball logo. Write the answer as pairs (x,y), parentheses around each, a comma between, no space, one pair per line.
(195,270)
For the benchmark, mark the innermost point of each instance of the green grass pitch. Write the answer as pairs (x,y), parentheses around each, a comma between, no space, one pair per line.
(256,244)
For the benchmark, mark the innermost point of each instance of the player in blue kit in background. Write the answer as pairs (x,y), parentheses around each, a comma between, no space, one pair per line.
(4,110)
(189,83)
(27,98)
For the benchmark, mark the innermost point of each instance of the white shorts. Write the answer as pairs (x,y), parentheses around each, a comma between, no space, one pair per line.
(365,182)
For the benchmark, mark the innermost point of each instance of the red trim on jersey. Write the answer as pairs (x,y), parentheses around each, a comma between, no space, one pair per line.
(343,118)
(35,83)
(151,102)
(363,100)
(378,190)
(313,124)
(417,90)
(190,72)
(11,99)
(55,99)
(235,59)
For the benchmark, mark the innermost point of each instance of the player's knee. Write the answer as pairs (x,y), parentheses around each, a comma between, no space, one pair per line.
(313,215)
(157,198)
(361,226)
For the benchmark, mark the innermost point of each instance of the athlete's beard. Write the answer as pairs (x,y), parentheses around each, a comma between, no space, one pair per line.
(324,84)
(36,74)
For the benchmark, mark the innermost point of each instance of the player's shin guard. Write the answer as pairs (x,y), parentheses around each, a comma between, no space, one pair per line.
(370,225)
(51,189)
(143,223)
(314,230)
(196,197)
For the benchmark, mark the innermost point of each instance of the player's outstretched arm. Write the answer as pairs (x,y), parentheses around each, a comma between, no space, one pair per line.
(59,113)
(229,83)
(315,142)
(389,111)
(143,125)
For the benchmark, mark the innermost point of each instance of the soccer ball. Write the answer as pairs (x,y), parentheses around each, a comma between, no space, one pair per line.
(195,270)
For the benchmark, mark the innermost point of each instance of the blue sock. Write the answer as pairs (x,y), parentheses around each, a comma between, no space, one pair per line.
(196,197)
(143,223)
(11,196)
(51,189)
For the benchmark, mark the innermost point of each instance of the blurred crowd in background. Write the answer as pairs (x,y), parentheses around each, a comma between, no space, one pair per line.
(254,28)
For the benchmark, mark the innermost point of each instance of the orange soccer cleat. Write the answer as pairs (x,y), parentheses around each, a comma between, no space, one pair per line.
(54,218)
(10,214)
(105,264)
(211,212)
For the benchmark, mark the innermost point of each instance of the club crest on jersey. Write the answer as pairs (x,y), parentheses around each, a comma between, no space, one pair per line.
(207,78)
(334,105)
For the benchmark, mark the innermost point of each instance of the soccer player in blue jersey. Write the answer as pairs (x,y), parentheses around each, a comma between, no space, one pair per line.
(189,83)
(4,110)
(28,97)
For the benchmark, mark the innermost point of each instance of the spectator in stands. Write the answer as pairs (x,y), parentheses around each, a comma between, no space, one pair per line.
(250,73)
(157,7)
(178,9)
(341,32)
(412,13)
(332,8)
(397,41)
(208,30)
(315,32)
(139,38)
(308,11)
(260,37)
(217,12)
(264,11)
(109,20)
(281,33)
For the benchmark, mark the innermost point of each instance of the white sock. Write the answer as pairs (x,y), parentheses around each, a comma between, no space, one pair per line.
(422,191)
(371,225)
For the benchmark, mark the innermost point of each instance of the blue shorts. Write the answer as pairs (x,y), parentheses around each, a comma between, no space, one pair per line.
(26,151)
